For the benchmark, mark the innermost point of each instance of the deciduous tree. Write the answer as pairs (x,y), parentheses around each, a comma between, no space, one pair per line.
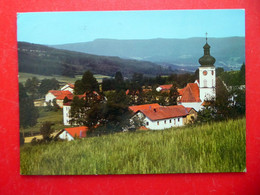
(28,112)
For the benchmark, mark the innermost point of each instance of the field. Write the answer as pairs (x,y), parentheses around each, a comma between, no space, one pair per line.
(24,76)
(216,147)
(52,116)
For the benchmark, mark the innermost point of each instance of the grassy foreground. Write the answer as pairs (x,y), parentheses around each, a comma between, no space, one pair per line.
(217,147)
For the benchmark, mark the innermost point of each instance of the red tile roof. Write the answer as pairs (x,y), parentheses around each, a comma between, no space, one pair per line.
(191,93)
(77,131)
(60,95)
(71,85)
(165,87)
(180,91)
(143,107)
(165,112)
(143,128)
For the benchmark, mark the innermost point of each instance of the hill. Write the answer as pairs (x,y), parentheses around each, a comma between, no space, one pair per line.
(229,52)
(44,60)
(216,147)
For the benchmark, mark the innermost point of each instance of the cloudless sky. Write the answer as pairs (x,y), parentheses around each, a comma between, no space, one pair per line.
(71,27)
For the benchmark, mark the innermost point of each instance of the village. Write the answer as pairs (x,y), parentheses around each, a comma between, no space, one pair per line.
(187,103)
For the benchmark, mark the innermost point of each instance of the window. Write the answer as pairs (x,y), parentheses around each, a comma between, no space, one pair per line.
(178,119)
(170,120)
(212,72)
(147,123)
(165,122)
(157,122)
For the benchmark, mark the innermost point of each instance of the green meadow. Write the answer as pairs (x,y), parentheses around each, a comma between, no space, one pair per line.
(215,147)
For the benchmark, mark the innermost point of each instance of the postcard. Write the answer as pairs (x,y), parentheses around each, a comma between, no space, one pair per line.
(132,92)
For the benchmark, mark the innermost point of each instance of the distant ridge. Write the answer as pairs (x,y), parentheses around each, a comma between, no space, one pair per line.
(44,60)
(229,52)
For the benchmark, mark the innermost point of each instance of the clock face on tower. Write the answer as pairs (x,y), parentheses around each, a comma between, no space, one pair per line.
(205,72)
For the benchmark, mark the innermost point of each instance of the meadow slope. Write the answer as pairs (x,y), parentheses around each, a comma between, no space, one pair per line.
(216,147)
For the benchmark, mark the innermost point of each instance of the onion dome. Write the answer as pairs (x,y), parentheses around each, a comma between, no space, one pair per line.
(207,60)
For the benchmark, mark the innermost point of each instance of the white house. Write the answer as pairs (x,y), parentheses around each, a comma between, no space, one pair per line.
(72,133)
(58,95)
(163,117)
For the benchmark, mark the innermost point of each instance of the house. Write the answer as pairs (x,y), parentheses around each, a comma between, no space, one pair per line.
(72,133)
(68,87)
(192,115)
(58,95)
(163,88)
(163,117)
(67,107)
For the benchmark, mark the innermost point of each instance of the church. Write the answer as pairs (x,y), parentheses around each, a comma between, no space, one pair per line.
(195,94)
(191,99)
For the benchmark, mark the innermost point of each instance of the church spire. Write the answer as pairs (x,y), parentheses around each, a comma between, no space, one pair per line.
(207,59)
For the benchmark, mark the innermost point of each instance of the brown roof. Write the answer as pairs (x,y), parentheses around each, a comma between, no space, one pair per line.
(143,107)
(165,112)
(191,93)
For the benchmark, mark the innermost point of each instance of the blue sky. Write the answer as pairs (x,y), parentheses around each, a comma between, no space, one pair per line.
(71,27)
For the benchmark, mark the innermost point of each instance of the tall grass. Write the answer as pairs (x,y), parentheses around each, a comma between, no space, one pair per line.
(216,147)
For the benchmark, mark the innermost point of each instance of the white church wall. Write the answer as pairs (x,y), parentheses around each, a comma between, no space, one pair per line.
(195,105)
(207,76)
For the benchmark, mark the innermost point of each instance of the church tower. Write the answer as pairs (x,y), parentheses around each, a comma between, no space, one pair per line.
(207,74)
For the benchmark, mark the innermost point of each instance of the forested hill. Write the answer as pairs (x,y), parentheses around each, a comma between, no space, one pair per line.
(229,52)
(39,59)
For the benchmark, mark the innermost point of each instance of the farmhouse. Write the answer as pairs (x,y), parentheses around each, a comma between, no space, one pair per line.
(163,117)
(58,95)
(72,133)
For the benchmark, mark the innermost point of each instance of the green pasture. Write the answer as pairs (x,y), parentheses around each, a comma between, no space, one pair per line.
(214,147)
